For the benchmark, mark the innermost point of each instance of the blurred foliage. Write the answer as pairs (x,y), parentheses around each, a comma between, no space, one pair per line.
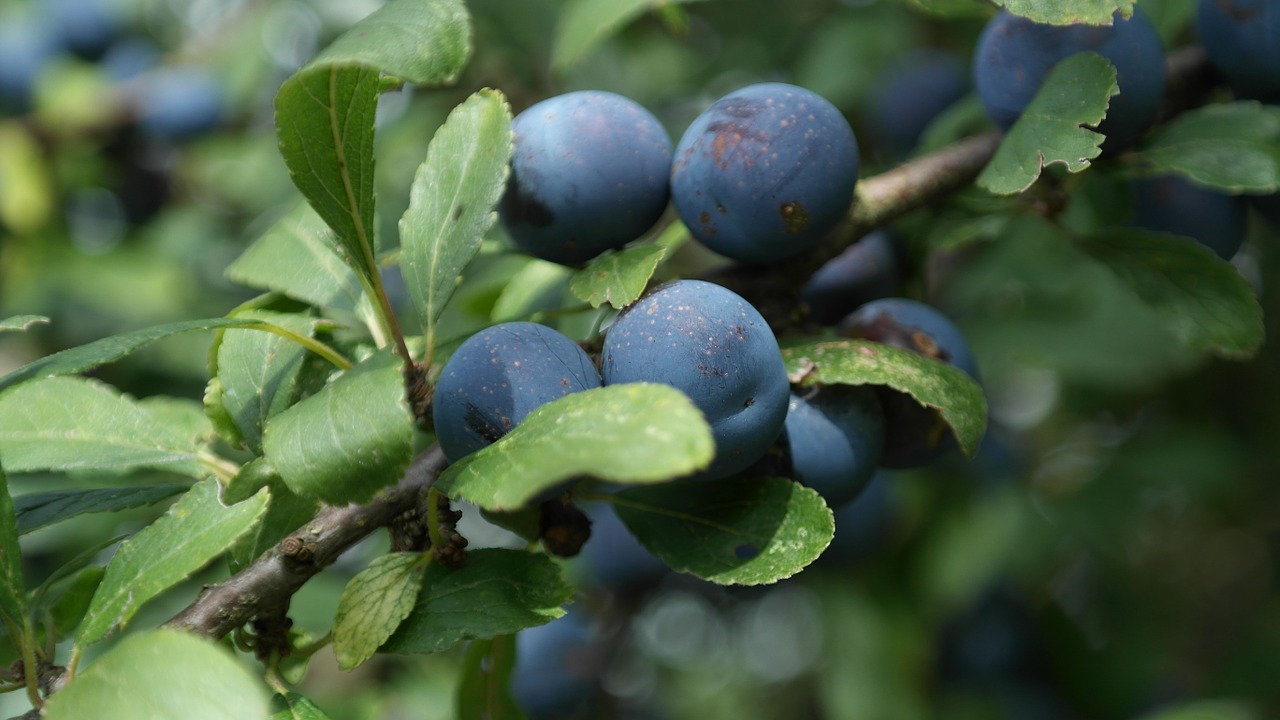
(1109,553)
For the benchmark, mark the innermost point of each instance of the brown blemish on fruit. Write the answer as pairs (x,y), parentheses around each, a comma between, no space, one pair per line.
(794,217)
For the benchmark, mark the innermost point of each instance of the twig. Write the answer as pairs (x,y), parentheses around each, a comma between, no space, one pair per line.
(269,583)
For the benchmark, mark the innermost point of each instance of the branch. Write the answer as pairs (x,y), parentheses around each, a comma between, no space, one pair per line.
(878,200)
(268,584)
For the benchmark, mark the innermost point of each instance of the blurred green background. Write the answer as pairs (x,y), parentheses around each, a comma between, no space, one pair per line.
(1110,553)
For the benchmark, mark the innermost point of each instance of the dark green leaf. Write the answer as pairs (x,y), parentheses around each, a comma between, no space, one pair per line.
(617,277)
(82,560)
(297,257)
(1229,146)
(633,433)
(451,202)
(21,323)
(1069,12)
(373,604)
(1206,302)
(1050,130)
(194,531)
(101,352)
(297,707)
(584,24)
(739,531)
(70,423)
(348,441)
(258,373)
(324,117)
(933,383)
(70,607)
(13,586)
(497,592)
(162,674)
(483,691)
(36,510)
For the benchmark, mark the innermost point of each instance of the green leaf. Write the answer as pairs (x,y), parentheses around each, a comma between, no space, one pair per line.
(21,323)
(297,257)
(584,24)
(1229,146)
(739,531)
(101,352)
(424,42)
(297,707)
(933,383)
(617,277)
(451,202)
(497,592)
(538,286)
(70,607)
(325,111)
(1206,302)
(324,118)
(484,689)
(1057,12)
(36,510)
(184,417)
(373,604)
(631,433)
(82,560)
(1050,130)
(13,586)
(71,423)
(287,512)
(162,674)
(258,373)
(349,440)
(195,530)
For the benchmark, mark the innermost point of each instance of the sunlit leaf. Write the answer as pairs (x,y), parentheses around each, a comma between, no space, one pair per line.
(349,440)
(631,433)
(195,530)
(162,674)
(373,604)
(452,199)
(933,383)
